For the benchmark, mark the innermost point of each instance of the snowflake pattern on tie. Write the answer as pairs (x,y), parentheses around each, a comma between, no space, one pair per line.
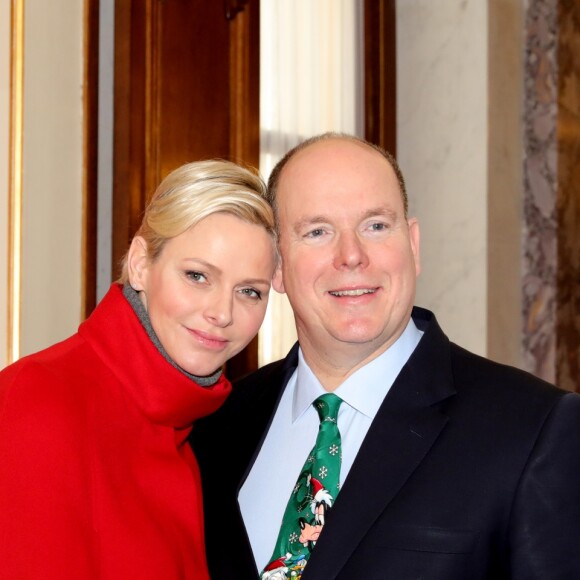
(311,498)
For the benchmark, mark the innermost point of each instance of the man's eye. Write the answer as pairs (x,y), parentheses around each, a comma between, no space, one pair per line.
(195,276)
(379,227)
(251,293)
(315,233)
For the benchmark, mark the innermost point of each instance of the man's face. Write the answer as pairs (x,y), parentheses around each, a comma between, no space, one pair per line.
(349,256)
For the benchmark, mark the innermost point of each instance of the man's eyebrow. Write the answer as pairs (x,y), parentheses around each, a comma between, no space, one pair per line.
(308,221)
(380,211)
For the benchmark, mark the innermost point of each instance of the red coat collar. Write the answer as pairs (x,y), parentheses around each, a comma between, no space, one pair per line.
(163,394)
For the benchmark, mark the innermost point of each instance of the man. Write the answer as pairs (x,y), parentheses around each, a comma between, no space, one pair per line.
(452,467)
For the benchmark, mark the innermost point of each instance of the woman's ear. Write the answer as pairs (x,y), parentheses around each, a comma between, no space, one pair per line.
(138,263)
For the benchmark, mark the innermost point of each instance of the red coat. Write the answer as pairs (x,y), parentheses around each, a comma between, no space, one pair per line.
(97,480)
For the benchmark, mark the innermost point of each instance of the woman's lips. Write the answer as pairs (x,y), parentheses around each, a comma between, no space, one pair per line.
(209,340)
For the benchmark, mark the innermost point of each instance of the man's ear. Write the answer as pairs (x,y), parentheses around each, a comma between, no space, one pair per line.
(278,279)
(415,238)
(138,263)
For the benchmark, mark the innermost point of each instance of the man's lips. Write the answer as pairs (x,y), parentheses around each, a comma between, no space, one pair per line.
(352,292)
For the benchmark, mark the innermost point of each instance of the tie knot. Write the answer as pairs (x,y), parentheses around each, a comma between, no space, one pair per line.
(327,407)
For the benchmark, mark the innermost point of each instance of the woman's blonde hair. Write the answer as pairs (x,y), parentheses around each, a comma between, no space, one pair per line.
(197,190)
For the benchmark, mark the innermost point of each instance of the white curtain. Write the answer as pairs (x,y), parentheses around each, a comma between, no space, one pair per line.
(311,81)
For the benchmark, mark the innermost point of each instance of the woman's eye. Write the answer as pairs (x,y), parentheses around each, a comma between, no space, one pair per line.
(195,276)
(251,293)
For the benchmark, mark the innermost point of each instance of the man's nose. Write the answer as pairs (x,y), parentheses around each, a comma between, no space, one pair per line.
(350,251)
(219,310)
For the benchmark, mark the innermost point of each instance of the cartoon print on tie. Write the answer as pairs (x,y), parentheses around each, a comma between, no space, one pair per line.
(311,499)
(309,534)
(321,500)
(285,568)
(292,565)
(276,570)
(320,503)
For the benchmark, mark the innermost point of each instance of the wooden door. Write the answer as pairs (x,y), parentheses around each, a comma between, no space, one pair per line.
(186,88)
(380,73)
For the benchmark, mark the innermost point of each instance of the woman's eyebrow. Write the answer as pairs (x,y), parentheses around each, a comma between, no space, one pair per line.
(256,281)
(203,263)
(199,262)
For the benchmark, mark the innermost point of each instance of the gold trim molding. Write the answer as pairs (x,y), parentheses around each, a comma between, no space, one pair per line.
(15,179)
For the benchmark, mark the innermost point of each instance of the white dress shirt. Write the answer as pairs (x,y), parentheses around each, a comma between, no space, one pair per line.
(265,493)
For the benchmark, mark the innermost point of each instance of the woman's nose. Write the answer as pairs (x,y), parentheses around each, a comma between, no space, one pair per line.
(219,311)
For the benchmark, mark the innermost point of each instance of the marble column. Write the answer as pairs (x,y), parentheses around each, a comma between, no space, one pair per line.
(568,197)
(551,217)
(540,221)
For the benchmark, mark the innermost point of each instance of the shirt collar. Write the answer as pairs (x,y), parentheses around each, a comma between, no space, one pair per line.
(365,389)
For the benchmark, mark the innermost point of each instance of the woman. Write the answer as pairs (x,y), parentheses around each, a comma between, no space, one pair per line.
(96,477)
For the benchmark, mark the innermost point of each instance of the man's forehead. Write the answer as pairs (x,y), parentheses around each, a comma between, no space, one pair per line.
(316,184)
(337,172)
(331,147)
(326,161)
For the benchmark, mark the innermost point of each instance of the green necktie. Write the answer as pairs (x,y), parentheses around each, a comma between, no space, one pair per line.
(313,495)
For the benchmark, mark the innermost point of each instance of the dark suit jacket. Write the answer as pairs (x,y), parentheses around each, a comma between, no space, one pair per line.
(470,470)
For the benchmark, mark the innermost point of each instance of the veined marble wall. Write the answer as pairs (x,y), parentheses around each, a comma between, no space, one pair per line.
(442,149)
(568,200)
(540,223)
(551,264)
(489,141)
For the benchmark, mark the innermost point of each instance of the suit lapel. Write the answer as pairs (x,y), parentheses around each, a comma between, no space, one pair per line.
(406,426)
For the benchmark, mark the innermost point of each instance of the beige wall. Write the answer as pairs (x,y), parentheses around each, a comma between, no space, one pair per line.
(505,181)
(52,173)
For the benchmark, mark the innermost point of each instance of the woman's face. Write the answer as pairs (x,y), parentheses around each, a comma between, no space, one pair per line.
(207,292)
